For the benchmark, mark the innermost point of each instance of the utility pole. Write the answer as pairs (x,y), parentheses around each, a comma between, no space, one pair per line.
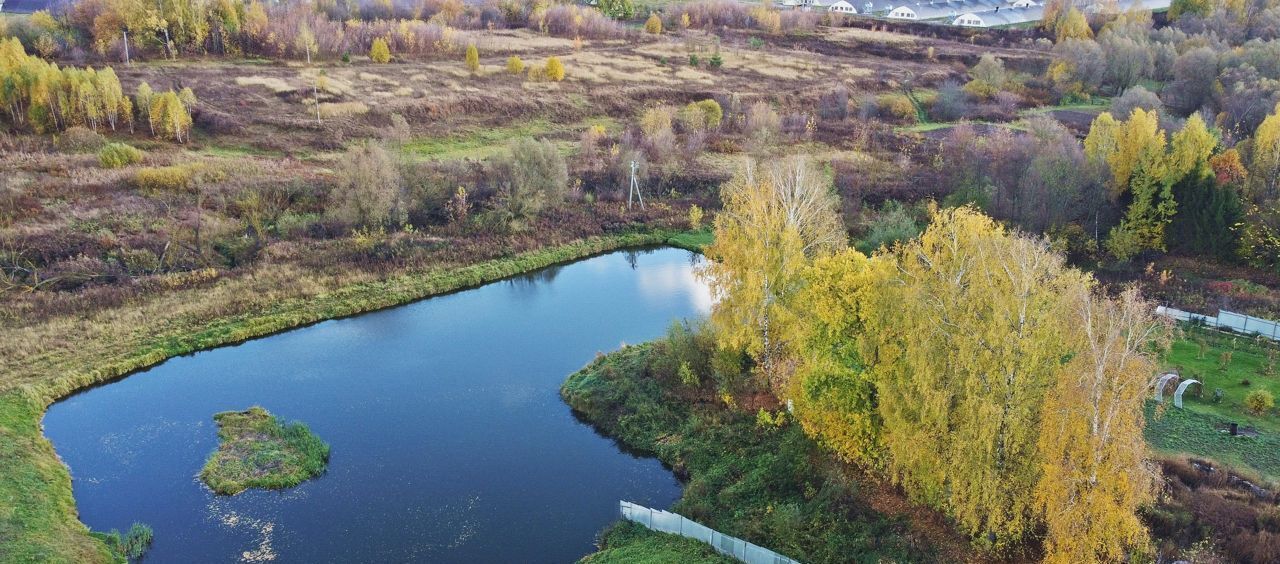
(126,46)
(635,188)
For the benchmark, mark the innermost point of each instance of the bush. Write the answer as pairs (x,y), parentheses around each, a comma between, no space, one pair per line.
(1259,402)
(981,89)
(653,24)
(952,103)
(555,69)
(515,65)
(896,106)
(708,113)
(473,58)
(895,223)
(137,541)
(1136,97)
(368,188)
(763,123)
(380,52)
(117,155)
(534,177)
(77,139)
(164,179)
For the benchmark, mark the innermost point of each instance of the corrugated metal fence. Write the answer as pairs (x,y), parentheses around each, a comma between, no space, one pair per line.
(667,522)
(1239,323)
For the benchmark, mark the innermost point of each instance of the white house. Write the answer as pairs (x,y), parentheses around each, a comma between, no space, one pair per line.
(842,7)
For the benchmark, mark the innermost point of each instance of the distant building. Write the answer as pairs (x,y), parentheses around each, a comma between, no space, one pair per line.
(1002,17)
(842,7)
(924,11)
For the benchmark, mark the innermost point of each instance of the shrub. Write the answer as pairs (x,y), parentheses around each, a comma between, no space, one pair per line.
(164,179)
(715,61)
(515,65)
(695,217)
(555,69)
(473,58)
(77,139)
(981,89)
(693,60)
(1259,402)
(380,52)
(117,155)
(952,103)
(894,223)
(367,191)
(763,123)
(990,69)
(535,176)
(1133,98)
(653,24)
(137,541)
(896,106)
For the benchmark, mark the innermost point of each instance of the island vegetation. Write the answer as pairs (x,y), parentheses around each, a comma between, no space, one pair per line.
(258,450)
(230,169)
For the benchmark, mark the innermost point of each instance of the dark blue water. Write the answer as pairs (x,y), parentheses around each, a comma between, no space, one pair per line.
(450,442)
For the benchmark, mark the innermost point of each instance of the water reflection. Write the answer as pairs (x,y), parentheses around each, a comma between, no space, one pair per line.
(450,442)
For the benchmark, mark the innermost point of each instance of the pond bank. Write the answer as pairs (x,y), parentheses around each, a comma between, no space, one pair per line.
(754,477)
(42,524)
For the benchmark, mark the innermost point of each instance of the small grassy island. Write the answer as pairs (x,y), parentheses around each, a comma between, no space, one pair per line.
(258,450)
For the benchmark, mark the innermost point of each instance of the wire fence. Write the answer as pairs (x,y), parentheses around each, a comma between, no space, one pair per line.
(667,522)
(1227,320)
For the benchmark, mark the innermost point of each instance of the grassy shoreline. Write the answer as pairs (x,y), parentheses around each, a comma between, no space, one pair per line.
(38,519)
(754,477)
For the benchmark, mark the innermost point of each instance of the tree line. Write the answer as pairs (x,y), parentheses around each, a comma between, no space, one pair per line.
(971,365)
(41,96)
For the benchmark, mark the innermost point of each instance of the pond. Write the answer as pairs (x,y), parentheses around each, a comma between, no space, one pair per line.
(450,442)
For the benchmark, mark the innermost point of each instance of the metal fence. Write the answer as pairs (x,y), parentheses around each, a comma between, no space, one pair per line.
(1236,322)
(667,522)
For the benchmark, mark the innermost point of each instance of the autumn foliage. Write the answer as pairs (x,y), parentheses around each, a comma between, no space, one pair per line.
(971,365)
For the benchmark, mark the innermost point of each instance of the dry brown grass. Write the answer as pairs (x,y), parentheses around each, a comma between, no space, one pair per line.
(335,109)
(856,35)
(522,41)
(783,65)
(369,77)
(275,85)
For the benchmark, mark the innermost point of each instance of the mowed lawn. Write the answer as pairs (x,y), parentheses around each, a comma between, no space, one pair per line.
(1195,430)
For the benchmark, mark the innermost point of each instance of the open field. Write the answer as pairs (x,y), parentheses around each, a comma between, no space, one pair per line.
(315,190)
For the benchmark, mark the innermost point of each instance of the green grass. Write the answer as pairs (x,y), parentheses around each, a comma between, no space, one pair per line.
(692,240)
(1248,362)
(38,520)
(37,514)
(1193,430)
(133,545)
(766,484)
(1095,103)
(632,543)
(1180,431)
(938,125)
(258,450)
